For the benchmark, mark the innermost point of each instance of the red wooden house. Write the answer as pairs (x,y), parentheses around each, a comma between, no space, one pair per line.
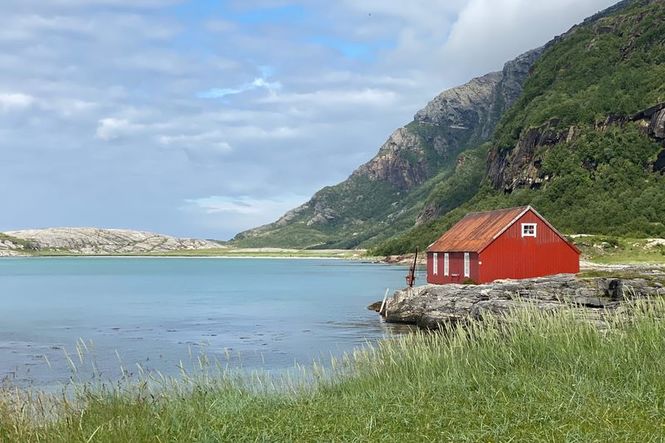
(508,243)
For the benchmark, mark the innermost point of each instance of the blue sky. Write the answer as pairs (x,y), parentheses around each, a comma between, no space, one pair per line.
(206,117)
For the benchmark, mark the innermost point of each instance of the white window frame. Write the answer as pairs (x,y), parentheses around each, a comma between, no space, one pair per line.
(528,226)
(435,263)
(446,264)
(467,265)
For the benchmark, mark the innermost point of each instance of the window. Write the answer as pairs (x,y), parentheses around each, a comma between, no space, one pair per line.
(446,265)
(467,265)
(528,229)
(435,263)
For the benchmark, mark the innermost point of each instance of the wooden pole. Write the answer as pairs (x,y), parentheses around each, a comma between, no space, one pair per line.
(383,304)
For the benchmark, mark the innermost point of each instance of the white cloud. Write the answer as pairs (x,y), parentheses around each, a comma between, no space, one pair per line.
(332,97)
(501,29)
(260,133)
(113,128)
(240,205)
(257,83)
(93,3)
(240,211)
(201,148)
(15,101)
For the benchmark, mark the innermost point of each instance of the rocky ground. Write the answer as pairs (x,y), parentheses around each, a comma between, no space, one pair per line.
(94,241)
(435,306)
(9,248)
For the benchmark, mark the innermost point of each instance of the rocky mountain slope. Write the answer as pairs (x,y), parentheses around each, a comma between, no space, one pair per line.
(385,195)
(574,129)
(93,241)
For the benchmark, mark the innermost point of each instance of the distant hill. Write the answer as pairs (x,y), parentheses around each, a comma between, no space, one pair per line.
(94,241)
(576,129)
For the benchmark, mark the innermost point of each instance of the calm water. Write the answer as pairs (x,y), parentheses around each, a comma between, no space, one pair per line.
(250,313)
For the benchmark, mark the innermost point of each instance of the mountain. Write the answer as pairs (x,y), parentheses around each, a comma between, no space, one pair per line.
(585,141)
(386,195)
(575,128)
(94,241)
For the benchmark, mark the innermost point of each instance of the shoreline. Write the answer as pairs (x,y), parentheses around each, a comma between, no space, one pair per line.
(194,257)
(244,253)
(585,265)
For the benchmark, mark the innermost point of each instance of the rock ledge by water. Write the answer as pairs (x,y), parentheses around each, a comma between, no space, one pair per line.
(435,306)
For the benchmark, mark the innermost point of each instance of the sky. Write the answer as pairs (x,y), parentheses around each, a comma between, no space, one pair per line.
(203,118)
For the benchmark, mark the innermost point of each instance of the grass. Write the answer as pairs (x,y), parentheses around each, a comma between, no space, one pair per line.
(620,250)
(533,377)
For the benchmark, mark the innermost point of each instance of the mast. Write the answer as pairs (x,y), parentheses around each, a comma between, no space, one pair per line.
(411,276)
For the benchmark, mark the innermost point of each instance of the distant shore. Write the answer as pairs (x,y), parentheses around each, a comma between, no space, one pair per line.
(226,252)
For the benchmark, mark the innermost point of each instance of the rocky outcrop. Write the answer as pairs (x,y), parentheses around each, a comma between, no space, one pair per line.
(92,241)
(520,167)
(10,248)
(13,246)
(402,160)
(464,108)
(477,106)
(433,306)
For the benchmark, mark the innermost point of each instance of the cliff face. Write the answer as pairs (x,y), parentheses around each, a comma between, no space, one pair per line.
(521,167)
(381,191)
(454,120)
(402,160)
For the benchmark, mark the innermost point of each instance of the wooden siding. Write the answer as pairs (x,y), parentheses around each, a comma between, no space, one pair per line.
(514,256)
(456,268)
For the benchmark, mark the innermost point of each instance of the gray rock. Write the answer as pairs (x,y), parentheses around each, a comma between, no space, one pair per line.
(91,241)
(435,306)
(394,162)
(657,125)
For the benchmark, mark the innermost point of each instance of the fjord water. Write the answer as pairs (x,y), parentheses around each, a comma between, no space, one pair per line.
(252,314)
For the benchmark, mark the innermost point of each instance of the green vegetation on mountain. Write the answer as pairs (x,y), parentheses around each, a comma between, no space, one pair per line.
(619,196)
(613,66)
(572,144)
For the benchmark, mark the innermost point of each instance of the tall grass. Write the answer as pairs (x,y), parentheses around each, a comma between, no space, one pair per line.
(529,377)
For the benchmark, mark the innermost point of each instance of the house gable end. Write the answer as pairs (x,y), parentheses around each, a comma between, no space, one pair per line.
(541,218)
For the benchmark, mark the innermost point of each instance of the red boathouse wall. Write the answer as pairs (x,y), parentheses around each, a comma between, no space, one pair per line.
(512,256)
(455,268)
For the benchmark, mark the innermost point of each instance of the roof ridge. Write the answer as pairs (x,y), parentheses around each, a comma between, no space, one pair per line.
(500,209)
